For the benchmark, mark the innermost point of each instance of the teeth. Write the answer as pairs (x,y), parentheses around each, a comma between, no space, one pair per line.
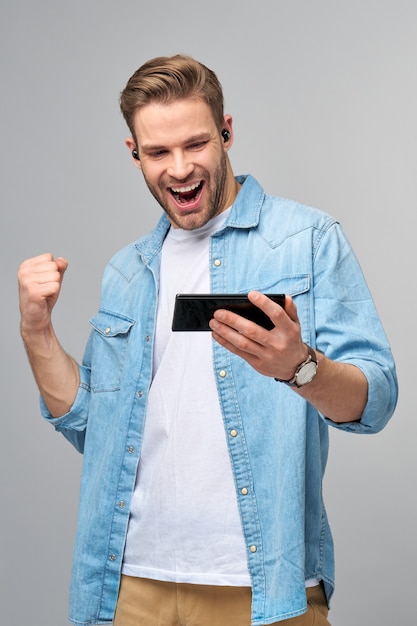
(185,189)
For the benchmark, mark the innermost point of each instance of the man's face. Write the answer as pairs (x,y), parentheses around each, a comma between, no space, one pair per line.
(183,158)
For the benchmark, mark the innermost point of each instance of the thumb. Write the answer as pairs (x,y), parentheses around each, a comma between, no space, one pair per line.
(62,265)
(291,309)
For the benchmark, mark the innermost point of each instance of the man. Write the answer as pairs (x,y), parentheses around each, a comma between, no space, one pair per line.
(204,453)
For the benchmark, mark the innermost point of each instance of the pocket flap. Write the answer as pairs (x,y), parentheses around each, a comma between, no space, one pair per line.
(294,285)
(111,324)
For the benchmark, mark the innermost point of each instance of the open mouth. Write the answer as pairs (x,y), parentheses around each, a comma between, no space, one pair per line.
(187,195)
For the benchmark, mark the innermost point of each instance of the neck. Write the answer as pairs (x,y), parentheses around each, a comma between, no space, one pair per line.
(232,185)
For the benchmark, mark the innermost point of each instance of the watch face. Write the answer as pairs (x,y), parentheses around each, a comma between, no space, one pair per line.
(306,373)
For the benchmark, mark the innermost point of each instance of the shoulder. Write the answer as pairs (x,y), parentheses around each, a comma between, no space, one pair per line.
(281,218)
(277,212)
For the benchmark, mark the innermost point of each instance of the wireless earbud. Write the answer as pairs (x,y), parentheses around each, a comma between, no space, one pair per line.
(135,155)
(225,135)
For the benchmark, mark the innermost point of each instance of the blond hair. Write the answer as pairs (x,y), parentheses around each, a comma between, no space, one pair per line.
(164,79)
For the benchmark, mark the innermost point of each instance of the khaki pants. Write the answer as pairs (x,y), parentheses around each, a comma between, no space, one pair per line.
(144,602)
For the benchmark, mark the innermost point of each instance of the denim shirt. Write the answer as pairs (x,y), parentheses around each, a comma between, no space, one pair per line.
(278,442)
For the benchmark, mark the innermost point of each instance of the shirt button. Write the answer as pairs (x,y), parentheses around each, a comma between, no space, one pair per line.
(121,504)
(130,449)
(222,373)
(233,433)
(108,329)
(244,491)
(112,557)
(217,263)
(253,549)
(147,338)
(140,394)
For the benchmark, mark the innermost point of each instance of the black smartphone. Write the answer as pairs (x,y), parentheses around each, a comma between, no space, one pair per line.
(194,311)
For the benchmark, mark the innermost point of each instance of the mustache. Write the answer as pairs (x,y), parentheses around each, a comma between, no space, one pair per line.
(175,182)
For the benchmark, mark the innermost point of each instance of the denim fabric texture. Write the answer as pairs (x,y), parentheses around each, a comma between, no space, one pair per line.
(278,443)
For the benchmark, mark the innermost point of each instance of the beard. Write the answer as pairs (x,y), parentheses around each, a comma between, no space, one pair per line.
(214,189)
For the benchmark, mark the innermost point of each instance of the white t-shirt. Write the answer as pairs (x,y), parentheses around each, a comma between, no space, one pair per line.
(185,524)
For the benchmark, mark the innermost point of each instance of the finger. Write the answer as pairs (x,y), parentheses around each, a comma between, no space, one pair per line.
(41,259)
(231,345)
(37,260)
(41,277)
(51,264)
(291,309)
(273,310)
(237,322)
(43,268)
(238,334)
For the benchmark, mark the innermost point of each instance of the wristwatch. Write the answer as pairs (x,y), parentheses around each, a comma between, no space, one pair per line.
(305,372)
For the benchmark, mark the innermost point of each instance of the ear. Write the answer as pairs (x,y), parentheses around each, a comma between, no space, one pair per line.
(228,125)
(131,145)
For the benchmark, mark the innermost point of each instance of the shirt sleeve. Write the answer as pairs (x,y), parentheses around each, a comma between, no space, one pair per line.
(73,424)
(348,328)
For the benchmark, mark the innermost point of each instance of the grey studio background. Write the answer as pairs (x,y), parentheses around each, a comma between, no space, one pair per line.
(324,98)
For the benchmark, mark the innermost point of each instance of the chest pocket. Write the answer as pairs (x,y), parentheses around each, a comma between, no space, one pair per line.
(298,287)
(109,345)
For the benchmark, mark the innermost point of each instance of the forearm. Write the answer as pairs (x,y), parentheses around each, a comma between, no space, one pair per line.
(339,390)
(56,373)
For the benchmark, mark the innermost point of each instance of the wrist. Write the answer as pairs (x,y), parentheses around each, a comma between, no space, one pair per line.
(40,339)
(305,371)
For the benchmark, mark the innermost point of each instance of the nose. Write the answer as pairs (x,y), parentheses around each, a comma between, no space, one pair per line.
(179,166)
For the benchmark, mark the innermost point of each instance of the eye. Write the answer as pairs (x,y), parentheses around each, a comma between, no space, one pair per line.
(157,154)
(197,145)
